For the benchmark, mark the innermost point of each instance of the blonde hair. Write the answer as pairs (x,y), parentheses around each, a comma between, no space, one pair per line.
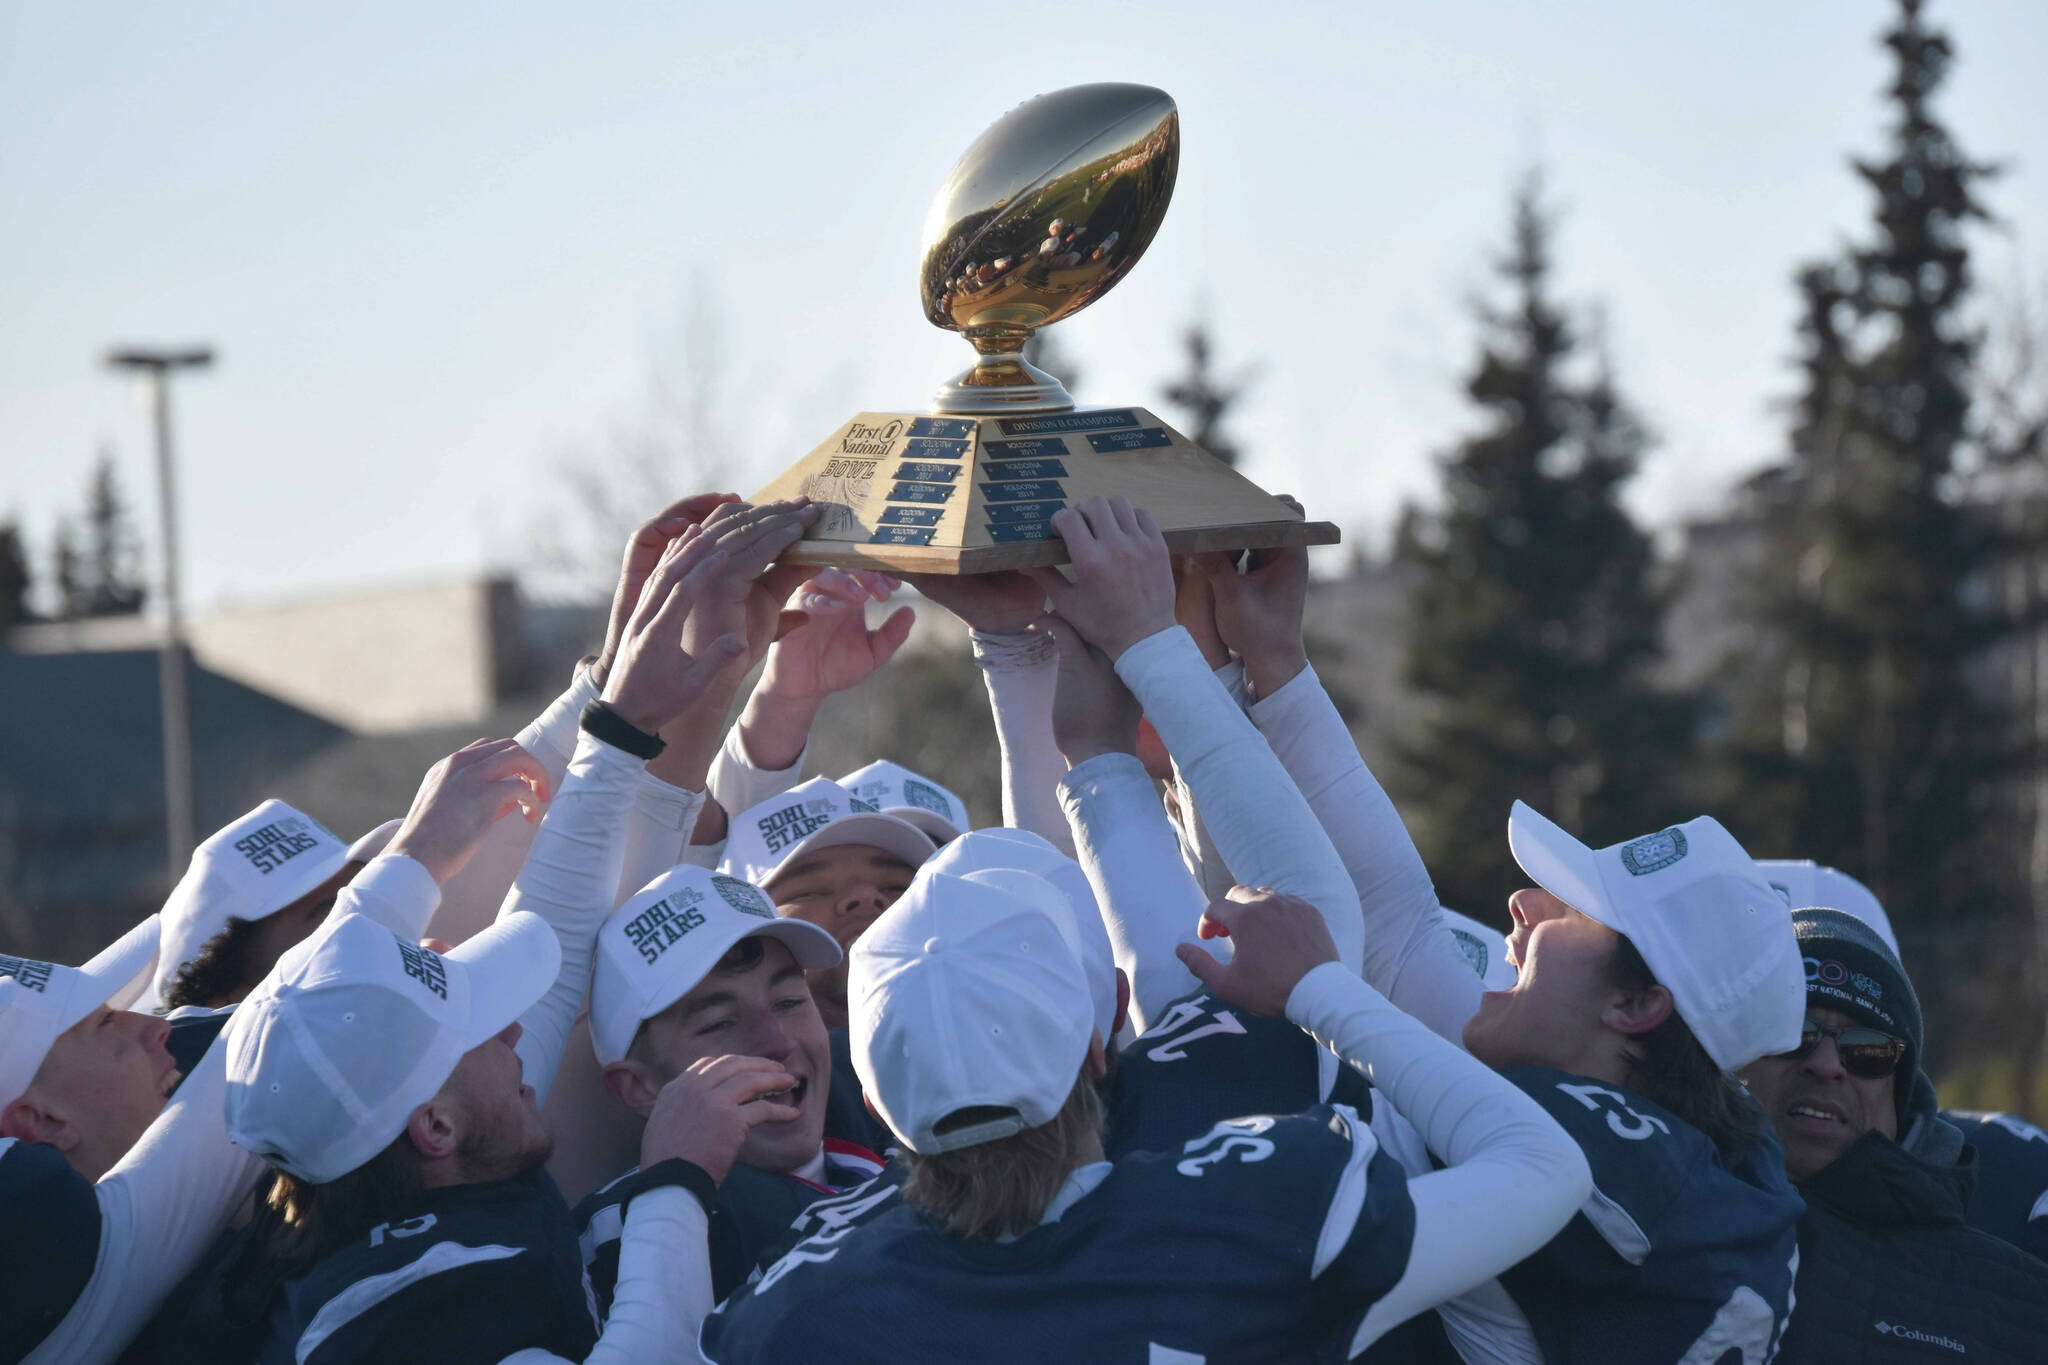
(1001,1188)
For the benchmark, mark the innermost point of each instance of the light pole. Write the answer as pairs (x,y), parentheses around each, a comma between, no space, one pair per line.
(157,365)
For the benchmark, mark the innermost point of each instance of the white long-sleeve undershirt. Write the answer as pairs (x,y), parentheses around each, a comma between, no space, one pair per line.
(1021,673)
(474,895)
(1514,1177)
(1148,900)
(657,833)
(1262,827)
(570,879)
(664,1286)
(1197,848)
(1409,954)
(739,784)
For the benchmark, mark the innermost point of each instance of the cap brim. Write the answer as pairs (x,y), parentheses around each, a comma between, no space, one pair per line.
(896,837)
(1559,863)
(510,966)
(115,969)
(941,830)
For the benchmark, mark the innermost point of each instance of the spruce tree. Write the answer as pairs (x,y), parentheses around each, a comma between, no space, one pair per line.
(1858,739)
(1205,396)
(1534,625)
(15,578)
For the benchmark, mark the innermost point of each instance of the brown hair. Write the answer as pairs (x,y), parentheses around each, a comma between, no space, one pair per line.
(1001,1188)
(220,971)
(1668,1065)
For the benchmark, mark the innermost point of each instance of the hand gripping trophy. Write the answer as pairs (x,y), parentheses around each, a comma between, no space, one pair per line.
(1043,214)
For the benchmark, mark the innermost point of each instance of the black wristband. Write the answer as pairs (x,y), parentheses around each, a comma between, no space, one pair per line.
(601,722)
(675,1171)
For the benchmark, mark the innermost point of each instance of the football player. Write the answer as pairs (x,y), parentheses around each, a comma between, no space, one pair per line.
(698,966)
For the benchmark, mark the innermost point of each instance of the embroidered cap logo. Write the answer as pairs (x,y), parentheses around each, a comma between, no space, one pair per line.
(1653,852)
(925,798)
(743,897)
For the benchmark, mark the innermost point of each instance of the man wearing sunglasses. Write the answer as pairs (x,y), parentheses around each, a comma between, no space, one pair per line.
(1887,1268)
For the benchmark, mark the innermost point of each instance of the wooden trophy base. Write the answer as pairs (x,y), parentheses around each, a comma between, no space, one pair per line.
(912,493)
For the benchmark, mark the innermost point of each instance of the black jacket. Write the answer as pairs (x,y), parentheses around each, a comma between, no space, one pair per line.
(1888,1271)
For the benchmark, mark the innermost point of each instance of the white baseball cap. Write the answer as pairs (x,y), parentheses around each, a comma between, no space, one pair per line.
(968,994)
(1705,919)
(358,1027)
(657,946)
(249,870)
(1805,883)
(812,815)
(1483,946)
(895,790)
(1017,849)
(39,1000)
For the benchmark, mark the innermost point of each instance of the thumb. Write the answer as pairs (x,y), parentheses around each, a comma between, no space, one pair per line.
(1201,964)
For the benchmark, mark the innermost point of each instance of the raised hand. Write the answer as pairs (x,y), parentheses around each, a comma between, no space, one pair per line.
(1092,711)
(1258,611)
(746,595)
(462,796)
(705,1114)
(658,675)
(1123,577)
(832,649)
(993,603)
(643,551)
(1277,940)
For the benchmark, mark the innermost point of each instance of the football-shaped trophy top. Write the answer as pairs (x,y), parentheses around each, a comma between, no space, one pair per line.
(1047,210)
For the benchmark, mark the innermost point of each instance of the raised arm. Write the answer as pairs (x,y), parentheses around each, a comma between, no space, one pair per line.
(1018,667)
(1514,1177)
(1149,901)
(1409,954)
(687,635)
(1122,602)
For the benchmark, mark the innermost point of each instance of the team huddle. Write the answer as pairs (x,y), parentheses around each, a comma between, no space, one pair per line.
(628,1043)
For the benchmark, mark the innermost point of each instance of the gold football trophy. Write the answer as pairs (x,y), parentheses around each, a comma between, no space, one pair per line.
(1043,214)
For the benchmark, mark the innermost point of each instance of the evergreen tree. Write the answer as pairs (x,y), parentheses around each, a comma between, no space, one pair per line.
(15,579)
(1205,396)
(113,547)
(1858,741)
(1534,625)
(68,570)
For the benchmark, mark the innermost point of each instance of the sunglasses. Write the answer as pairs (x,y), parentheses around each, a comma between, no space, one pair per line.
(1868,1053)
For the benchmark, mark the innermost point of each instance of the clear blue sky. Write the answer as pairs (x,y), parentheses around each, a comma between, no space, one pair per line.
(444,247)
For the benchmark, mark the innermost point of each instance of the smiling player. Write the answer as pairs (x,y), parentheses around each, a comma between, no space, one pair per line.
(695,968)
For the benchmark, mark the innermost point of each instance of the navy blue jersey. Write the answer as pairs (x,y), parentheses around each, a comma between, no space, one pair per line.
(2010,1200)
(479,1272)
(846,1113)
(1675,1257)
(751,1218)
(1241,1245)
(191,1035)
(52,1218)
(1203,1061)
